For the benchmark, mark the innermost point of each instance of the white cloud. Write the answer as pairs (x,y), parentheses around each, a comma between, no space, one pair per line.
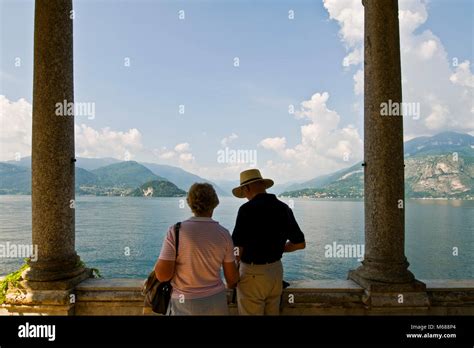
(437,118)
(180,155)
(228,140)
(16,128)
(350,15)
(107,142)
(427,49)
(354,57)
(359,82)
(445,92)
(325,145)
(276,144)
(186,157)
(15,124)
(168,155)
(462,75)
(183,147)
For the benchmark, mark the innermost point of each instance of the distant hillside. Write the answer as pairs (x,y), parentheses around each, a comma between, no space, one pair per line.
(124,174)
(439,176)
(158,188)
(14,179)
(180,177)
(277,188)
(85,178)
(346,183)
(441,166)
(81,162)
(442,143)
(95,163)
(117,179)
(323,180)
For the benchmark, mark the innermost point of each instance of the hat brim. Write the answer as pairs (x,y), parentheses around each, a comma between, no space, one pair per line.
(239,192)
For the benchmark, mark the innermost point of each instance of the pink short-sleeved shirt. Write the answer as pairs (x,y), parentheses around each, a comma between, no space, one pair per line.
(203,246)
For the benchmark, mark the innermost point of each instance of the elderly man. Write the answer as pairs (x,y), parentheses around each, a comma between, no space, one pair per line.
(264,230)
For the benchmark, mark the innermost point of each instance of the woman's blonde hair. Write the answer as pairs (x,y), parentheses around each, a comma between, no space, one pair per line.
(202,198)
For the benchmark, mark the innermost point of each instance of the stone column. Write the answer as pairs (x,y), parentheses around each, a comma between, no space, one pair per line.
(384,262)
(48,284)
(53,145)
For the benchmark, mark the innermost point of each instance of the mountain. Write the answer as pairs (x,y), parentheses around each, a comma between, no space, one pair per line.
(128,174)
(158,188)
(441,166)
(324,180)
(85,178)
(81,162)
(442,143)
(86,182)
(116,179)
(439,176)
(14,179)
(22,162)
(345,183)
(277,188)
(180,177)
(227,185)
(95,163)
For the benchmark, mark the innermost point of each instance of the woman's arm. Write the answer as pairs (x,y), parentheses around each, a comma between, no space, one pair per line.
(231,274)
(164,270)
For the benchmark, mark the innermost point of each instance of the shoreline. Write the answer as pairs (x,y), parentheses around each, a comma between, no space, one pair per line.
(281,197)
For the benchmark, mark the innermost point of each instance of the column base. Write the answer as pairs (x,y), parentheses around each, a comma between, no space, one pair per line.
(410,296)
(375,271)
(54,270)
(45,297)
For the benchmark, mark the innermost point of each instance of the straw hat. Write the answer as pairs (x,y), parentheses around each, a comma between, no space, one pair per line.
(247,177)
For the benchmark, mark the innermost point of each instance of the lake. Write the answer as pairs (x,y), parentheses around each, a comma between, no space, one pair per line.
(122,236)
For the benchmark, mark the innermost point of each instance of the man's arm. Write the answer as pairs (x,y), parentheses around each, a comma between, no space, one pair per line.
(239,233)
(296,237)
(289,246)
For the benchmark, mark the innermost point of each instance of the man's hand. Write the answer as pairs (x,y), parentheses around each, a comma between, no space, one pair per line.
(289,246)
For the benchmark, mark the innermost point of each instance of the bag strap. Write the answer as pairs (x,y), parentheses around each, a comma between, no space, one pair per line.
(177,226)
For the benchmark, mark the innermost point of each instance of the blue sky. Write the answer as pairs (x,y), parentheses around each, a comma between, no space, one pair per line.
(282,62)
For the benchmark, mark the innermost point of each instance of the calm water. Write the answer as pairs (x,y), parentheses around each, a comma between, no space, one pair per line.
(106,227)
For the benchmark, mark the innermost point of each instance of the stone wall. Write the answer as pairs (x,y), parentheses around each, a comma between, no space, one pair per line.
(324,297)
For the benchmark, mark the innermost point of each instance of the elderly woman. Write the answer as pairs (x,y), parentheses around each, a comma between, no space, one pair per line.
(204,247)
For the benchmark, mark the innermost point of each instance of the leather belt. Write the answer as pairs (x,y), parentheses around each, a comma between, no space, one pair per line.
(260,263)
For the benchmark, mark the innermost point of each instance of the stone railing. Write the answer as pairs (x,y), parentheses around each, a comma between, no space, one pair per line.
(324,297)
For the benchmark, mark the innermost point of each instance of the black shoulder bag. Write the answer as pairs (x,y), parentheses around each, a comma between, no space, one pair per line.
(158,294)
